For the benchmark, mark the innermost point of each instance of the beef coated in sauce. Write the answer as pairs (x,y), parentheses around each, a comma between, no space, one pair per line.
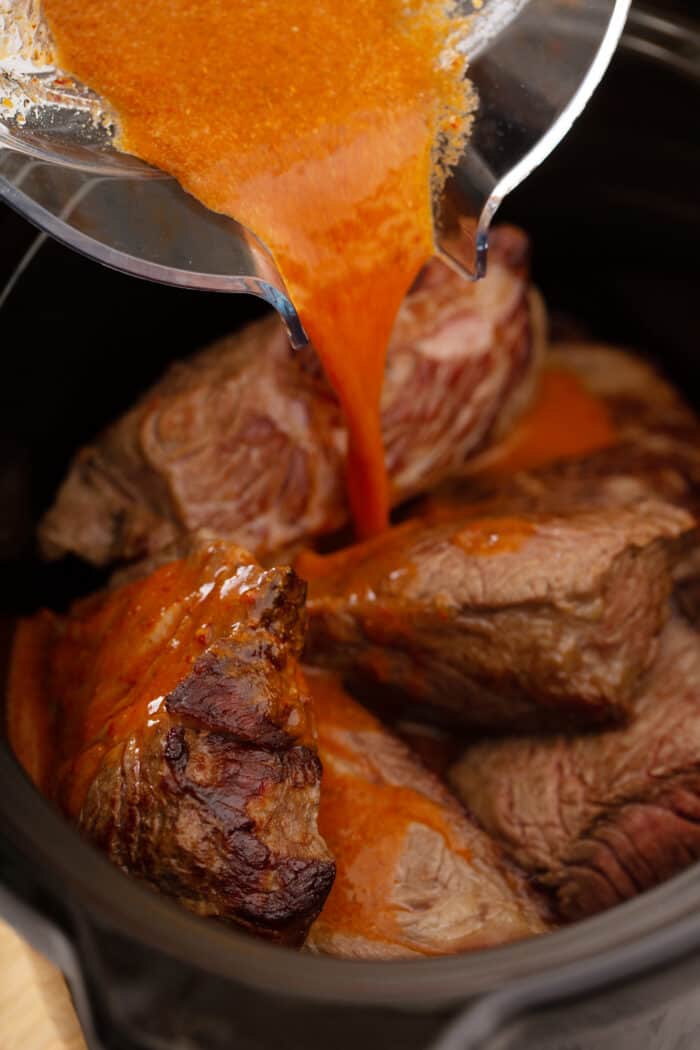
(170,720)
(415,876)
(652,451)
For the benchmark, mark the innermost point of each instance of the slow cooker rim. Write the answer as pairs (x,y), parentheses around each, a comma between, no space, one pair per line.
(90,885)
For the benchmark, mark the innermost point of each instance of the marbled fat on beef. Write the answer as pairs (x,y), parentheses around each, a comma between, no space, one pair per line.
(246,439)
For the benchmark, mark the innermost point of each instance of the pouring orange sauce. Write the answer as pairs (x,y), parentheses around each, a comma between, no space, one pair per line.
(316,126)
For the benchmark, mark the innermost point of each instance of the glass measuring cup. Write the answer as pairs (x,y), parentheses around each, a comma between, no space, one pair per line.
(534,64)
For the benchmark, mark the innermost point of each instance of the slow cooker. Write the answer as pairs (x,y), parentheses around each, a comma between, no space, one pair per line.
(614,216)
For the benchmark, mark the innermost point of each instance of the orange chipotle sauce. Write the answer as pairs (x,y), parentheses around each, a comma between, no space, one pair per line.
(30,715)
(497,535)
(82,684)
(566,421)
(365,820)
(358,572)
(315,125)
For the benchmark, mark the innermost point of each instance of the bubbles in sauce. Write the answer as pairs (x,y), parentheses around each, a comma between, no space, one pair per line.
(325,128)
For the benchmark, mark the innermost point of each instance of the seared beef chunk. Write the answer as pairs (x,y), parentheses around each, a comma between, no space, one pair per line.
(657,451)
(599,818)
(414,875)
(658,435)
(503,622)
(560,452)
(650,435)
(170,720)
(653,448)
(246,439)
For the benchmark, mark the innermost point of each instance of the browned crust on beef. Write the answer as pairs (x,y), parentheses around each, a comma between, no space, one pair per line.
(212,794)
(190,812)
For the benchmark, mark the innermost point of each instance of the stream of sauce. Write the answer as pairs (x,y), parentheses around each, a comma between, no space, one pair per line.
(315,125)
(567,421)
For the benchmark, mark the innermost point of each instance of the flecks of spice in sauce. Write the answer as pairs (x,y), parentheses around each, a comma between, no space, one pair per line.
(315,125)
(365,820)
(566,421)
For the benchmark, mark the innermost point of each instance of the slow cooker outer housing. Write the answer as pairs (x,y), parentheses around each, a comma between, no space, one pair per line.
(615,221)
